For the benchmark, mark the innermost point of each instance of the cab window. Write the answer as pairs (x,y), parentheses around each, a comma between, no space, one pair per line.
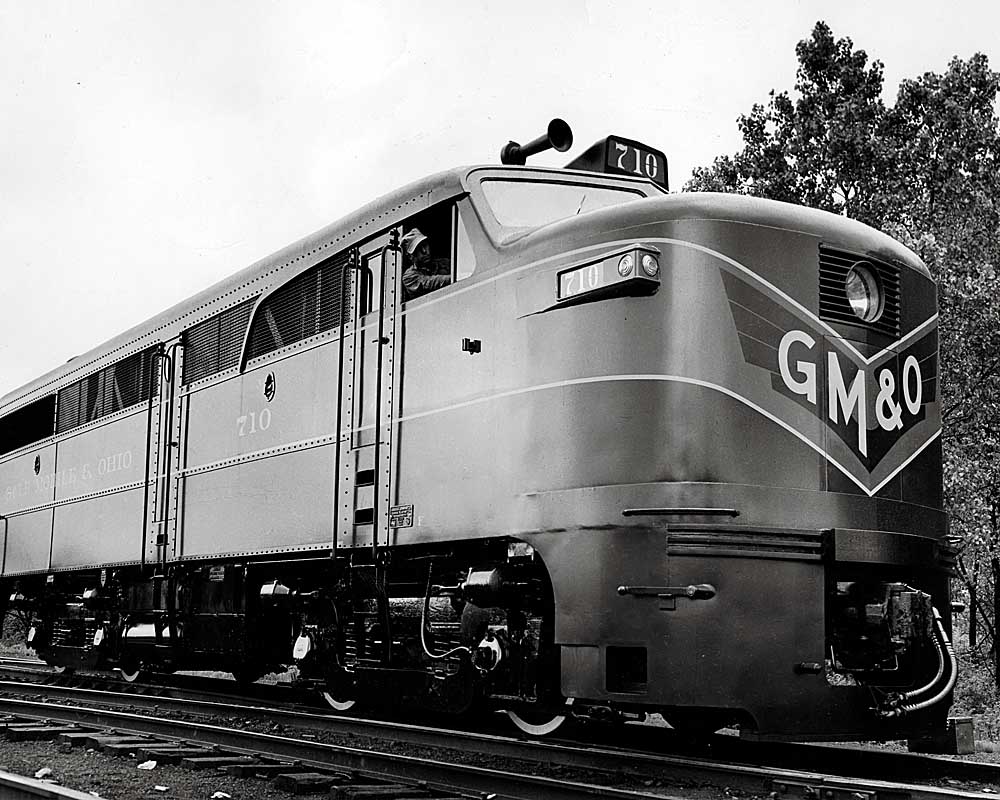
(427,249)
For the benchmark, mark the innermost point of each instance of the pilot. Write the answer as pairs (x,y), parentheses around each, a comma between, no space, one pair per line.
(425,274)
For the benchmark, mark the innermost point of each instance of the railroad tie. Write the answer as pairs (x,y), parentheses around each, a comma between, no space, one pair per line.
(172,754)
(213,762)
(306,782)
(36,732)
(368,791)
(264,770)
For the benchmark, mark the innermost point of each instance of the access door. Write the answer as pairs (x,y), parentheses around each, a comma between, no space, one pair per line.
(370,394)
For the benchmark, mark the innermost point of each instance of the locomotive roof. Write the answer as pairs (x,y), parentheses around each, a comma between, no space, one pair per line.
(408,200)
(747,210)
(249,281)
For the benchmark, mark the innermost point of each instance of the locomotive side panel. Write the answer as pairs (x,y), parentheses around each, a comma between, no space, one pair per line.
(102,470)
(446,457)
(288,401)
(100,530)
(28,533)
(275,503)
(211,414)
(28,542)
(259,470)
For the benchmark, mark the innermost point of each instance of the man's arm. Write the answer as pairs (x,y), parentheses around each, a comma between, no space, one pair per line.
(418,283)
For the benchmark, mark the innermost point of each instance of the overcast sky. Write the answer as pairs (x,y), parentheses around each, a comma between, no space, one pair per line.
(150,149)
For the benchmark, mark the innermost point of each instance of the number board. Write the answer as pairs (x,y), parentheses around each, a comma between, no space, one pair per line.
(625,157)
(585,279)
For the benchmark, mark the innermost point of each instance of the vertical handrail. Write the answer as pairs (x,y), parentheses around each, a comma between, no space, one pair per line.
(171,374)
(4,601)
(390,247)
(154,373)
(352,263)
(382,564)
(170,359)
(3,561)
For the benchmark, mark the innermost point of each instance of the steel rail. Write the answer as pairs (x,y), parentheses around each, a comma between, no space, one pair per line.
(629,742)
(35,662)
(18,787)
(439,775)
(602,759)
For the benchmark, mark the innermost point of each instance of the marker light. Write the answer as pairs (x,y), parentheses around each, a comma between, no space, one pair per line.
(650,265)
(302,647)
(863,293)
(625,265)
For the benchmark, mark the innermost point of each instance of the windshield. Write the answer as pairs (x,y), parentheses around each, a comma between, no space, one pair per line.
(520,205)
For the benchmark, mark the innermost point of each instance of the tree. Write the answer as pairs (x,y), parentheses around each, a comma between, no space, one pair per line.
(943,197)
(820,150)
(927,171)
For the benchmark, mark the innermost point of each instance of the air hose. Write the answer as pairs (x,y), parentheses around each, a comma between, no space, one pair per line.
(949,650)
(940,670)
(898,705)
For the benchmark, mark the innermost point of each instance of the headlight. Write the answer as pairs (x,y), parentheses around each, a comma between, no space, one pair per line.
(625,265)
(863,292)
(650,265)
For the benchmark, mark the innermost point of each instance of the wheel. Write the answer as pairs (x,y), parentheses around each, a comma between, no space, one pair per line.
(59,669)
(130,671)
(535,723)
(338,705)
(340,691)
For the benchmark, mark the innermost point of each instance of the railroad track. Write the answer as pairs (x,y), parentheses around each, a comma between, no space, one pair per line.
(294,708)
(17,787)
(24,664)
(637,758)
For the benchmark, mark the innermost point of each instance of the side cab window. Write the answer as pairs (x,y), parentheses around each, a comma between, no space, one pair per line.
(437,248)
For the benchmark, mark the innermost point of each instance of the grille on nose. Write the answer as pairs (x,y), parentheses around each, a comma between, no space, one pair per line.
(834,305)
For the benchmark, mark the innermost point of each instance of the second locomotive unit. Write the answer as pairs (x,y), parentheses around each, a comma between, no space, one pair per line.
(547,441)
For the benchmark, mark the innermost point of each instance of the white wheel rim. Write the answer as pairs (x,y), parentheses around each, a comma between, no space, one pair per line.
(543,729)
(131,677)
(338,705)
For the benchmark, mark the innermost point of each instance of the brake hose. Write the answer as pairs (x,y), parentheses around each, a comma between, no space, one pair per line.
(946,644)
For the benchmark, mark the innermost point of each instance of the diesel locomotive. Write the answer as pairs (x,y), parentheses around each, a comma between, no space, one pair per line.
(644,452)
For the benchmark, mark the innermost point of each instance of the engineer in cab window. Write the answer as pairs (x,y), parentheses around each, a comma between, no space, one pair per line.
(424,274)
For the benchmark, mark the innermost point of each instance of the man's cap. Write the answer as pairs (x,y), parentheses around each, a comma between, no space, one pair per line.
(412,240)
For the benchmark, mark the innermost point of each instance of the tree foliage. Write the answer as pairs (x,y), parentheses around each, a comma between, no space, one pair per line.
(927,171)
(821,149)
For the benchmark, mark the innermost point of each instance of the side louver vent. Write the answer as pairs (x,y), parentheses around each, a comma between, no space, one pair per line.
(214,345)
(833,304)
(308,304)
(111,389)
